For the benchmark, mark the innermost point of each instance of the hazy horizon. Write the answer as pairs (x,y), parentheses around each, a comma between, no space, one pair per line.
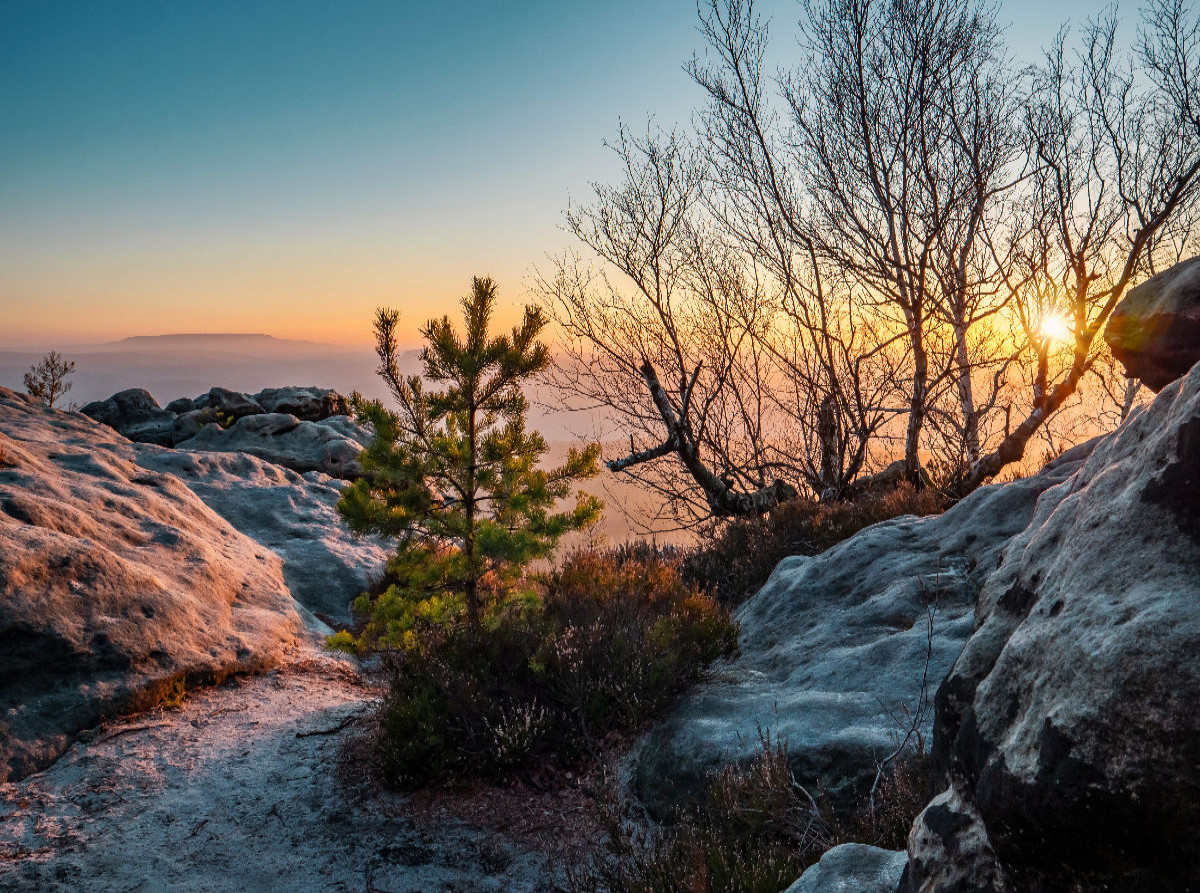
(287,168)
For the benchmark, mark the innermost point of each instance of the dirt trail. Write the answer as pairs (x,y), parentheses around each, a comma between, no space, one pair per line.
(223,795)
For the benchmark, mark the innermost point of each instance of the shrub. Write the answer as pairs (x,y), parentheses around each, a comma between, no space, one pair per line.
(47,380)
(756,831)
(452,476)
(739,555)
(594,648)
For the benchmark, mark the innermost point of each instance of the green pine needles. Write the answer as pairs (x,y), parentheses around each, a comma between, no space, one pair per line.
(453,476)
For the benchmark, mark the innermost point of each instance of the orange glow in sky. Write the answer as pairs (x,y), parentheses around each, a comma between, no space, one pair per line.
(285,168)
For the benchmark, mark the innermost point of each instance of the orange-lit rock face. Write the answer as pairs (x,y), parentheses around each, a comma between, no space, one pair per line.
(1155,330)
(115,583)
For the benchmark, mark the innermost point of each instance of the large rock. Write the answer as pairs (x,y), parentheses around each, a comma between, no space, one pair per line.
(331,446)
(324,565)
(136,414)
(188,424)
(1155,330)
(1068,731)
(307,404)
(853,868)
(832,647)
(228,405)
(116,583)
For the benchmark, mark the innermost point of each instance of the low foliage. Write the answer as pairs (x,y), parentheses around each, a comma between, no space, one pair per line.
(46,381)
(756,832)
(594,648)
(740,555)
(452,476)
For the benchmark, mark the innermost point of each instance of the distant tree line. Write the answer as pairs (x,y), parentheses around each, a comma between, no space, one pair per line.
(906,247)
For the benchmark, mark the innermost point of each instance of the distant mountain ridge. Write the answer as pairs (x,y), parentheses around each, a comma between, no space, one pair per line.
(239,341)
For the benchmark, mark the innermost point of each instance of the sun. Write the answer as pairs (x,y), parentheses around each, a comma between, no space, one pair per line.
(1055,327)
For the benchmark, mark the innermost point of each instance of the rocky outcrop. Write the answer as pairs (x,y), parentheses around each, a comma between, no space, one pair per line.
(126,568)
(1155,330)
(227,404)
(134,413)
(1067,733)
(188,424)
(318,436)
(853,868)
(306,404)
(331,446)
(834,646)
(325,566)
(116,584)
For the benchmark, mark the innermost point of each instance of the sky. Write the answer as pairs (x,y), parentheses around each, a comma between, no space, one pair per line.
(285,167)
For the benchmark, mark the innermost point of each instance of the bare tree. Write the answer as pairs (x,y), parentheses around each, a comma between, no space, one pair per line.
(834,363)
(46,381)
(1116,145)
(674,356)
(899,123)
(913,234)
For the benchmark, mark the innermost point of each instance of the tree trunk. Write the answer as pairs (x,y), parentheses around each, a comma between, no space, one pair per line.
(471,588)
(1012,448)
(916,409)
(827,437)
(966,397)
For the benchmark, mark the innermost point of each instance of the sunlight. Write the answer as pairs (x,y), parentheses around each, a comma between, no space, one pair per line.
(1056,328)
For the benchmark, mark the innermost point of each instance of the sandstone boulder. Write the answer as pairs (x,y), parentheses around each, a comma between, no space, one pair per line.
(853,868)
(1155,330)
(134,413)
(331,446)
(187,425)
(229,405)
(834,645)
(309,404)
(116,584)
(1067,732)
(324,565)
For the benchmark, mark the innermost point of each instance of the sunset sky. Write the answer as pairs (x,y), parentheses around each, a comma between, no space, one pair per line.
(285,167)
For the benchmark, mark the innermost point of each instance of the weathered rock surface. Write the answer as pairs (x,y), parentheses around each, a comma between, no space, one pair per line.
(318,436)
(228,404)
(1068,730)
(833,645)
(134,413)
(116,582)
(324,565)
(331,446)
(1155,330)
(188,424)
(309,404)
(853,868)
(224,796)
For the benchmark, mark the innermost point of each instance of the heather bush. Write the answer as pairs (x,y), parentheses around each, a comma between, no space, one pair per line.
(593,648)
(736,557)
(755,832)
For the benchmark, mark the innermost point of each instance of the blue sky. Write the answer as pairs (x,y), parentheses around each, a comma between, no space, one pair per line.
(287,166)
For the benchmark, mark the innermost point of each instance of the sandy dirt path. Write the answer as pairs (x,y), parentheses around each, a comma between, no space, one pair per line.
(223,795)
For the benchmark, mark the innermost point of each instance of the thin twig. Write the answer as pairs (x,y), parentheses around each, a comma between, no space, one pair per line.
(348,721)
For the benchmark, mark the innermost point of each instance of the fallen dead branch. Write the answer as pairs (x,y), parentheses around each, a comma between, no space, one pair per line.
(348,721)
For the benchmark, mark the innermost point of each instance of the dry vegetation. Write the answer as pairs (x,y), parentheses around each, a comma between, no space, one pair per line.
(756,831)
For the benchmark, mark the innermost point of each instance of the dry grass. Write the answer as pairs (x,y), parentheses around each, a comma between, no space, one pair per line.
(756,831)
(740,555)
